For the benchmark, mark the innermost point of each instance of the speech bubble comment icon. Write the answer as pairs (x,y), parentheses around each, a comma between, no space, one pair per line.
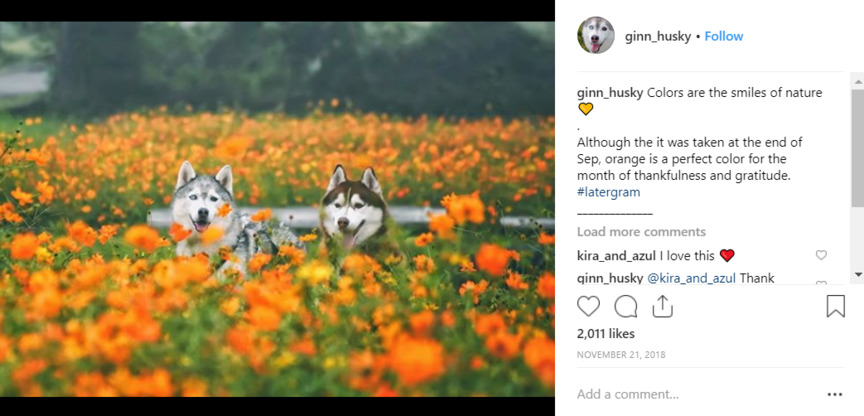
(625,306)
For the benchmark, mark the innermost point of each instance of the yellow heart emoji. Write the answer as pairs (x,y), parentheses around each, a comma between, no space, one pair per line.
(586,108)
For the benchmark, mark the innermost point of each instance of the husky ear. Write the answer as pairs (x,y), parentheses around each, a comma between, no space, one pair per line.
(186,174)
(371,181)
(337,178)
(226,179)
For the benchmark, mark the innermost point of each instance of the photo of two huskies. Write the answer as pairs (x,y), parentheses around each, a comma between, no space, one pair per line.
(277,209)
(351,211)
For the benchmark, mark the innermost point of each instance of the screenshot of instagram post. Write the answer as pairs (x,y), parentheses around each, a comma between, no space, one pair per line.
(712,192)
(282,208)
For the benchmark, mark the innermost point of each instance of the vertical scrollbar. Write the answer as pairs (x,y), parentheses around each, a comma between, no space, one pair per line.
(857,180)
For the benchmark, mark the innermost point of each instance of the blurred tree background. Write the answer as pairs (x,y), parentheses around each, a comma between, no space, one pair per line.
(460,68)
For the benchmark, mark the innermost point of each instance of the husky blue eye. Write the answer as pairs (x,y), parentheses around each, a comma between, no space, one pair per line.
(193,197)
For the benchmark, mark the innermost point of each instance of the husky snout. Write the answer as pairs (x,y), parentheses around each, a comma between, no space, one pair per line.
(595,38)
(342,223)
(202,221)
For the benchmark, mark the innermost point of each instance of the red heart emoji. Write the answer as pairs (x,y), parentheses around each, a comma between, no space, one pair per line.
(727,254)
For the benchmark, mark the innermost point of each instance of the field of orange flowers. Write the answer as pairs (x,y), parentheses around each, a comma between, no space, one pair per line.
(94,302)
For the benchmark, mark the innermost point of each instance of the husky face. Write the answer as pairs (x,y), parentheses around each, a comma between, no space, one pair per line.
(597,33)
(197,199)
(352,210)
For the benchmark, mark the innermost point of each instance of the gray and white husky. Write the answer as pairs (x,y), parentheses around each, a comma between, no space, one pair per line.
(353,211)
(598,35)
(195,206)
(196,203)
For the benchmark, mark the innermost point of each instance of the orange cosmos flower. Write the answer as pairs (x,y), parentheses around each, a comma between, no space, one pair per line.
(47,303)
(385,391)
(539,354)
(80,232)
(416,360)
(28,369)
(263,318)
(421,322)
(489,324)
(23,197)
(24,246)
(447,319)
(308,237)
(93,385)
(423,239)
(106,232)
(44,237)
(546,286)
(7,213)
(148,202)
(443,226)
(546,239)
(476,289)
(514,281)
(464,208)
(365,370)
(263,215)
(503,345)
(358,265)
(194,387)
(232,147)
(143,237)
(467,266)
(230,306)
(46,192)
(224,210)
(294,254)
(493,259)
(258,261)
(178,232)
(158,383)
(36,156)
(305,347)
(211,235)
(423,263)
(241,339)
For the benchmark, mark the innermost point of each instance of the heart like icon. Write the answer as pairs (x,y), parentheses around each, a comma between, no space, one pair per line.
(586,108)
(727,254)
(821,254)
(588,304)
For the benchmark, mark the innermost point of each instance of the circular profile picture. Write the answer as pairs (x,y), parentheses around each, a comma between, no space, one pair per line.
(596,35)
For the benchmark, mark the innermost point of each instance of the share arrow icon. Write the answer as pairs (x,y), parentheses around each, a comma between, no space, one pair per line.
(663,313)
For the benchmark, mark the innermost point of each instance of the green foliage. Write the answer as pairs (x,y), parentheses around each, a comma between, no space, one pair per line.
(462,68)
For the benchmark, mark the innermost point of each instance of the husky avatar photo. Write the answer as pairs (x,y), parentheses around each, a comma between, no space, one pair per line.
(596,35)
